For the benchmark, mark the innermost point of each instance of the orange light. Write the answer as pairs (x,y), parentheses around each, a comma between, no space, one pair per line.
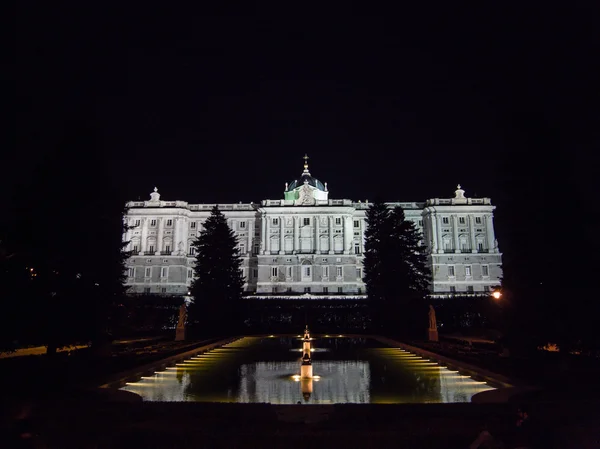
(497,294)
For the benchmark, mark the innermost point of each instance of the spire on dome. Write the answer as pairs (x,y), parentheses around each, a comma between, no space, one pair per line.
(155,196)
(305,163)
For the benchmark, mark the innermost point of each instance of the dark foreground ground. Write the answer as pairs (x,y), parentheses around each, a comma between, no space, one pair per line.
(92,424)
(56,401)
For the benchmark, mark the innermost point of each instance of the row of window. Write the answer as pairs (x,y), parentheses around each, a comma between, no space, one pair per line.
(164,272)
(307,272)
(485,270)
(168,223)
(461,220)
(308,290)
(275,222)
(470,288)
(151,249)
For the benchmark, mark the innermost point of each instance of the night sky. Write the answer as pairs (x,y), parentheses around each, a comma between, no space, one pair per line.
(220,106)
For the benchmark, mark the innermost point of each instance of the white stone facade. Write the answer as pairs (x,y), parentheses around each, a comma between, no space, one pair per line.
(309,244)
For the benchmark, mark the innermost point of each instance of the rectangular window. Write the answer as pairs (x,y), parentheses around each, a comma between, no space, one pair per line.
(255,249)
(148,260)
(470,289)
(478,220)
(338,221)
(190,273)
(136,223)
(131,272)
(148,272)
(306,289)
(307,272)
(274,272)
(288,272)
(451,270)
(340,289)
(339,271)
(242,225)
(151,249)
(136,249)
(480,246)
(357,248)
(275,221)
(452,289)
(193,225)
(255,273)
(169,222)
(165,260)
(306,221)
(167,248)
(147,290)
(164,272)
(461,220)
(467,270)
(445,220)
(163,290)
(421,223)
(485,270)
(325,289)
(152,222)
(192,251)
(359,273)
(242,248)
(357,223)
(325,272)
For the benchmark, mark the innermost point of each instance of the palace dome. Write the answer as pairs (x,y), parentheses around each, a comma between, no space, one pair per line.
(306,178)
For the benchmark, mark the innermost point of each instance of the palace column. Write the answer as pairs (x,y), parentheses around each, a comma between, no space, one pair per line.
(330,219)
(455,233)
(317,236)
(159,235)
(144,237)
(175,248)
(268,236)
(296,234)
(347,234)
(281,236)
(250,235)
(472,232)
(489,230)
(263,237)
(439,234)
(433,231)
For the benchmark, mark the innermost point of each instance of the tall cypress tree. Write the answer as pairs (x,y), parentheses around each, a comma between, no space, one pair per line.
(218,284)
(377,263)
(412,270)
(396,270)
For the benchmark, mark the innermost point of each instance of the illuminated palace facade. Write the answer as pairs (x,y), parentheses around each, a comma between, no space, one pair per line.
(309,244)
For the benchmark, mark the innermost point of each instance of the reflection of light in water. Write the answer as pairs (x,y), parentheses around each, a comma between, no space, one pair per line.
(339,381)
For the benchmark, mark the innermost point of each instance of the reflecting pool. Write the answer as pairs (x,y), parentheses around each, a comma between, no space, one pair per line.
(345,370)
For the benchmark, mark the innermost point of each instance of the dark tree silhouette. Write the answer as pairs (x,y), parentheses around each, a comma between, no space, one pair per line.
(378,262)
(218,283)
(396,270)
(69,231)
(412,269)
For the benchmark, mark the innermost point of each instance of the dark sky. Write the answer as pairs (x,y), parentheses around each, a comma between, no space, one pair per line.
(220,106)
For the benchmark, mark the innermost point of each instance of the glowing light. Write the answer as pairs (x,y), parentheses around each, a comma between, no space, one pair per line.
(271,336)
(496,294)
